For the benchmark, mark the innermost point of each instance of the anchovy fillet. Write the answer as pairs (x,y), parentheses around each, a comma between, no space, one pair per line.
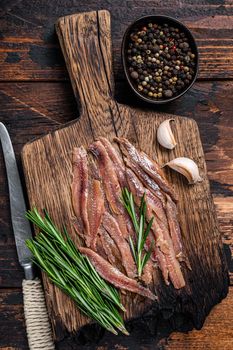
(112,227)
(79,189)
(114,276)
(143,162)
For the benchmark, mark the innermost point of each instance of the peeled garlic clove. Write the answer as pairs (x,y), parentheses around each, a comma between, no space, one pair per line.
(165,136)
(186,167)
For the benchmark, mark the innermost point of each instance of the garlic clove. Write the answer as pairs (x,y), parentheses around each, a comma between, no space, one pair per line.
(186,167)
(165,136)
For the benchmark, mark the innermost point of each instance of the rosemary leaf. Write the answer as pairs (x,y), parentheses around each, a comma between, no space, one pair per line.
(132,248)
(139,222)
(55,253)
(146,233)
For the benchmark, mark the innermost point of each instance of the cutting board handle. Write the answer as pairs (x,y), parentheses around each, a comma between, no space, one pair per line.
(85,40)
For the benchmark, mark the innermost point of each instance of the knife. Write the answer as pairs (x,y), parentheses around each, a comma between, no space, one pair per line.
(37,322)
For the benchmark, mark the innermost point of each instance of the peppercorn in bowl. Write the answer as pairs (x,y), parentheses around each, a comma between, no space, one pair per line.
(160,58)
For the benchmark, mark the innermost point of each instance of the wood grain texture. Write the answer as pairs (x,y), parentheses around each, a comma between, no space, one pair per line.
(29,49)
(31,109)
(101,115)
(11,311)
(211,334)
(224,206)
(216,333)
(22,105)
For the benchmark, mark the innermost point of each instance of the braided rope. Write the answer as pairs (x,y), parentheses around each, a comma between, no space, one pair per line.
(37,322)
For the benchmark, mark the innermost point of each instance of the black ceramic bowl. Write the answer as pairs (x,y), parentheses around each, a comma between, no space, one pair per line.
(158,20)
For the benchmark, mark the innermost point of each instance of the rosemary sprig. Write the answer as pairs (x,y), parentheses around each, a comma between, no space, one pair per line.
(139,223)
(55,253)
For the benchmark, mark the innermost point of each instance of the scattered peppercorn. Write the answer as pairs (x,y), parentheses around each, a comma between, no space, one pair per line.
(134,74)
(160,61)
(168,93)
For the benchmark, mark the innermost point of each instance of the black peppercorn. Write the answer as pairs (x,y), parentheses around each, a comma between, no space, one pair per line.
(160,60)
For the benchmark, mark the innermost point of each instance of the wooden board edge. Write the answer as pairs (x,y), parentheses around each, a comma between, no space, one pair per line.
(25,147)
(61,19)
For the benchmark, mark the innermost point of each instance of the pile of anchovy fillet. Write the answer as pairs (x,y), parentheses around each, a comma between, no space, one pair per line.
(99,176)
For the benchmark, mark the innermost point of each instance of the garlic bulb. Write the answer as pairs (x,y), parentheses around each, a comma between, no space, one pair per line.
(186,167)
(165,136)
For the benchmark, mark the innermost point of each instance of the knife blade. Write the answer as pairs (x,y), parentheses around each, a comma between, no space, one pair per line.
(21,226)
(36,316)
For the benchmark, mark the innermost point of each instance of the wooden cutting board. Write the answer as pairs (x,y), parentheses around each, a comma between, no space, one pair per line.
(86,44)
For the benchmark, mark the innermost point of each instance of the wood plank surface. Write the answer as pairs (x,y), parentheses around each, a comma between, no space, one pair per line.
(24,108)
(12,317)
(102,116)
(211,113)
(30,50)
(216,334)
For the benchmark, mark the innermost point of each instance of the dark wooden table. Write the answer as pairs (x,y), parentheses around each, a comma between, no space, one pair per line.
(36,96)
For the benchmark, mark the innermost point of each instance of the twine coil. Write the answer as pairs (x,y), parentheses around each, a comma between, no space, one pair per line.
(36,316)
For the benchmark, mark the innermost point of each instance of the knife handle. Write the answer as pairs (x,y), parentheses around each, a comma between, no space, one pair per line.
(37,321)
